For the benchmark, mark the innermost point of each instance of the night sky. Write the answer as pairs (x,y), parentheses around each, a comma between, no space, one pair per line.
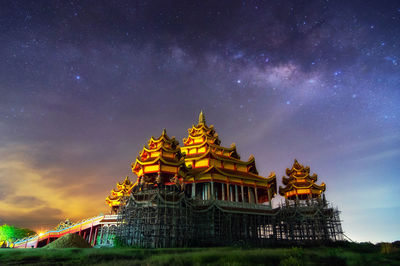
(85,84)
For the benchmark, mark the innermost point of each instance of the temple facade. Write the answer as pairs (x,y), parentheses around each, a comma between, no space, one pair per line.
(202,193)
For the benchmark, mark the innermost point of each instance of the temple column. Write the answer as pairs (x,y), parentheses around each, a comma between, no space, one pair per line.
(95,235)
(101,234)
(223,191)
(236,194)
(212,190)
(249,194)
(228,192)
(91,233)
(269,196)
(255,194)
(193,189)
(242,193)
(158,181)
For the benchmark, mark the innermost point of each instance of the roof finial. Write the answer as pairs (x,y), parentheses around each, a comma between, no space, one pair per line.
(164,132)
(202,118)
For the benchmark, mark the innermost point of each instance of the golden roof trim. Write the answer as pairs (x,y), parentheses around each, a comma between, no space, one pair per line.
(252,177)
(159,158)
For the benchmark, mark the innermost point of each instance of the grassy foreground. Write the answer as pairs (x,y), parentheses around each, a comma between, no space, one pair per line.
(354,254)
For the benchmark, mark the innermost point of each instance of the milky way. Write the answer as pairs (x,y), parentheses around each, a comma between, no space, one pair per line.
(84,85)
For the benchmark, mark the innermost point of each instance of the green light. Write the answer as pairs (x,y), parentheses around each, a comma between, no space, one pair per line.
(9,233)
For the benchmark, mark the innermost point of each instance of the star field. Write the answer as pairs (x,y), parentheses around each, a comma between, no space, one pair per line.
(83,86)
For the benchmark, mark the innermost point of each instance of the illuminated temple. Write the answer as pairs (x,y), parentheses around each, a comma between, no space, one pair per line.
(202,193)
(299,184)
(202,168)
(118,195)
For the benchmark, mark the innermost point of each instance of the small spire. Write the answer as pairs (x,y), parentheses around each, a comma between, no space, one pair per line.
(164,132)
(202,118)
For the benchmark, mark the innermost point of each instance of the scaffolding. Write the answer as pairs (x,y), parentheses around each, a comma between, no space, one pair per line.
(155,218)
(167,217)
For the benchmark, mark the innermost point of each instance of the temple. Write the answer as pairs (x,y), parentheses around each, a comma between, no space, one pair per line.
(118,196)
(216,172)
(160,164)
(202,194)
(299,184)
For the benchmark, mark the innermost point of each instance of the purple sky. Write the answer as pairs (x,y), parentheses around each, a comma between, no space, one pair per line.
(83,86)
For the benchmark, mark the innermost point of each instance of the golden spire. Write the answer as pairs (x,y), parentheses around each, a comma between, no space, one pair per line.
(202,118)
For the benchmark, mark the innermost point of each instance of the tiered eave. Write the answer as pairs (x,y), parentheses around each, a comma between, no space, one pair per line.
(160,161)
(211,162)
(117,196)
(300,184)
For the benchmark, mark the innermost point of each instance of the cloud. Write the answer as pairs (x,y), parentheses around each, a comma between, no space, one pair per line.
(29,198)
(25,201)
(38,219)
(385,154)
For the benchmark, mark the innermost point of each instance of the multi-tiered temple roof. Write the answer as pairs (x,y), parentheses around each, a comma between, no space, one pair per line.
(117,195)
(300,184)
(202,167)
(160,163)
(211,162)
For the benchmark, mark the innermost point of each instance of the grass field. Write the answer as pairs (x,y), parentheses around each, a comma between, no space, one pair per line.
(350,254)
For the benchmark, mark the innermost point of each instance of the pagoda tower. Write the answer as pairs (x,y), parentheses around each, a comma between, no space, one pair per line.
(216,172)
(160,163)
(117,196)
(299,185)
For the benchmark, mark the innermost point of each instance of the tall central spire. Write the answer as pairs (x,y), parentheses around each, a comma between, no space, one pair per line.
(202,118)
